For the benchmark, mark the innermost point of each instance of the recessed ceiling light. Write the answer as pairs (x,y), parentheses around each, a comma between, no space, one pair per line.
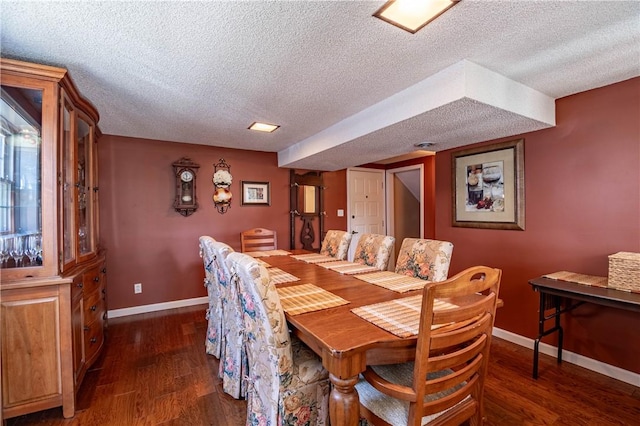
(411,15)
(423,144)
(263,127)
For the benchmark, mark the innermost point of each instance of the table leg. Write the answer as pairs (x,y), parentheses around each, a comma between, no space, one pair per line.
(546,302)
(559,328)
(344,403)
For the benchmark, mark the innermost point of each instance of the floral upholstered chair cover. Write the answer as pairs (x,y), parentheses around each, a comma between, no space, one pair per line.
(233,359)
(425,259)
(214,312)
(374,250)
(336,244)
(287,383)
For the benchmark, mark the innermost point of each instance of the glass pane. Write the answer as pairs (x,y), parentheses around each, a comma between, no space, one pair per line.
(85,199)
(309,197)
(20,177)
(68,193)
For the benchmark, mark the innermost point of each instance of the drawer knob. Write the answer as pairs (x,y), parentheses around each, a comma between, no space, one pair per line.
(93,308)
(87,328)
(104,270)
(79,285)
(96,279)
(93,340)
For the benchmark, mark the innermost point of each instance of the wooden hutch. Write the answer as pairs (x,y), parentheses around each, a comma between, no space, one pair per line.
(53,276)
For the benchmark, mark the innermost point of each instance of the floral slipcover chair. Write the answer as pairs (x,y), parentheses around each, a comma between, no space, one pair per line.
(425,259)
(233,360)
(214,312)
(287,383)
(336,244)
(374,250)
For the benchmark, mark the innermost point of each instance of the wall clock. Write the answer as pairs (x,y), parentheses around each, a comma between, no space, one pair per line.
(186,201)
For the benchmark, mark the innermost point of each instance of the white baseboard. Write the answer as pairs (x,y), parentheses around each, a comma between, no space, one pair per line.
(571,357)
(568,356)
(115,313)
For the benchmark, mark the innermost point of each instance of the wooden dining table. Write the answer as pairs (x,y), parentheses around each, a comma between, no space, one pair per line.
(345,342)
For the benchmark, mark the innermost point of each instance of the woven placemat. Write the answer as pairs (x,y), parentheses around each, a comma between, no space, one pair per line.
(278,276)
(331,265)
(354,269)
(400,316)
(392,281)
(348,268)
(267,253)
(590,280)
(302,298)
(314,258)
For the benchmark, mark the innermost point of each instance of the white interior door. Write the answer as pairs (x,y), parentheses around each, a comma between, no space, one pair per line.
(366,204)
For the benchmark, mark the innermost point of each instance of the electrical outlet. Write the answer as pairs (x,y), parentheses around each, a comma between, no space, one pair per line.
(137,288)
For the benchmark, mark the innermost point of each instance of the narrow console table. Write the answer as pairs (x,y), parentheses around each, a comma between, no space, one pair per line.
(553,291)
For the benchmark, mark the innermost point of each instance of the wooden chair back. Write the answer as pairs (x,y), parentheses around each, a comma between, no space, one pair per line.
(258,239)
(452,351)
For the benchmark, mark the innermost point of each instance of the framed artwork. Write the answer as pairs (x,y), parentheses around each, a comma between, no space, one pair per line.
(255,193)
(488,186)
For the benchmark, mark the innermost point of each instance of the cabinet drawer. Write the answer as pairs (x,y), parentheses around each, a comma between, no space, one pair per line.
(93,304)
(77,286)
(91,280)
(94,337)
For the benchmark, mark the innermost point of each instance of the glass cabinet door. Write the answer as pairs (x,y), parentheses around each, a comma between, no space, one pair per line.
(84,137)
(21,177)
(68,187)
(48,181)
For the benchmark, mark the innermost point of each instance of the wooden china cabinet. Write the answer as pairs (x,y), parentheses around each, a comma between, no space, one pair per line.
(53,276)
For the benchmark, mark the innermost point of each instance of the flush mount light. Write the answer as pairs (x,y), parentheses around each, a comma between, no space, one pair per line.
(263,127)
(411,15)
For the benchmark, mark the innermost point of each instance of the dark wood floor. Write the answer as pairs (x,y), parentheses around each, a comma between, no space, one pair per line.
(154,371)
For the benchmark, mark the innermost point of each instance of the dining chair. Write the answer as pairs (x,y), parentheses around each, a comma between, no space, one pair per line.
(452,354)
(233,366)
(258,239)
(214,311)
(374,250)
(287,383)
(425,259)
(336,244)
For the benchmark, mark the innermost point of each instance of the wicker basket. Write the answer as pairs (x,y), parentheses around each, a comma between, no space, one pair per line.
(624,271)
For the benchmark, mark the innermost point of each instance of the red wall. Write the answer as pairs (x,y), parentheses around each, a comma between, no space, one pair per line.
(335,198)
(582,190)
(147,241)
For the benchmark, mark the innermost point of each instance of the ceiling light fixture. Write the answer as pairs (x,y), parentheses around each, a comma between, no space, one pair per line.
(423,144)
(263,127)
(411,15)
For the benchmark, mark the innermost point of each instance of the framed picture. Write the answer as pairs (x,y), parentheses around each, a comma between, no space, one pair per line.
(488,186)
(255,194)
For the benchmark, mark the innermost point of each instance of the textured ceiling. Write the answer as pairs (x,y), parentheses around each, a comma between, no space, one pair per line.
(346,88)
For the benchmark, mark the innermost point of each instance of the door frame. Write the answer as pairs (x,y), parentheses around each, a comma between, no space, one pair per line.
(389,200)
